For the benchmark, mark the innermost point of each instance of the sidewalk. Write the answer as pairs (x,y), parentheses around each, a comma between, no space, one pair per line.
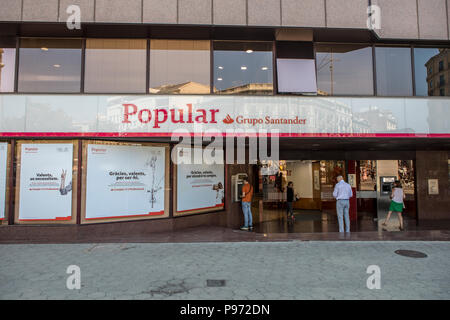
(258,271)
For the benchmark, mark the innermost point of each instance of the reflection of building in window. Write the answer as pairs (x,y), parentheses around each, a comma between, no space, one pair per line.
(251,88)
(380,120)
(439,73)
(182,88)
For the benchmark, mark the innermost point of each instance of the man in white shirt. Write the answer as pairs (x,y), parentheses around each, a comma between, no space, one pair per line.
(343,192)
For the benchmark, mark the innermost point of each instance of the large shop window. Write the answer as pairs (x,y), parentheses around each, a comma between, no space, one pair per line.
(115,65)
(427,63)
(119,187)
(4,173)
(344,70)
(7,65)
(199,187)
(46,182)
(243,68)
(50,65)
(394,71)
(180,66)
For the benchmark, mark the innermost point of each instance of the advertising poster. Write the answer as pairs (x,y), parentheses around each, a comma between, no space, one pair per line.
(124,181)
(199,186)
(3,164)
(46,181)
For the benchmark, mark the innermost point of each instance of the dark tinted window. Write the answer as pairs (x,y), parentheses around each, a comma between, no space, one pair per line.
(344,70)
(243,67)
(394,71)
(426,62)
(116,65)
(50,65)
(180,66)
(7,65)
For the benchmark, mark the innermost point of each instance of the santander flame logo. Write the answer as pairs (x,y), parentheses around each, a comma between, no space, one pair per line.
(228,119)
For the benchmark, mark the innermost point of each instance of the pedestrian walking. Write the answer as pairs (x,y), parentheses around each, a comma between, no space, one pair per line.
(397,204)
(247,194)
(342,193)
(291,196)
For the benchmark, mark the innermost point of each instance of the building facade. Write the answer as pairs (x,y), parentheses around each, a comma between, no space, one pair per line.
(98,120)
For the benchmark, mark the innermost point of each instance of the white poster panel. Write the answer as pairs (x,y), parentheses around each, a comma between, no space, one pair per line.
(3,165)
(297,75)
(124,181)
(199,186)
(46,181)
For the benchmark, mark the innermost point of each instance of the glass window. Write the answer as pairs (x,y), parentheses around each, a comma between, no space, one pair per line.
(180,66)
(394,72)
(7,65)
(243,67)
(428,59)
(50,65)
(115,65)
(344,70)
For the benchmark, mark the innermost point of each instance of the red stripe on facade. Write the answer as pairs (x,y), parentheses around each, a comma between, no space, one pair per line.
(224,134)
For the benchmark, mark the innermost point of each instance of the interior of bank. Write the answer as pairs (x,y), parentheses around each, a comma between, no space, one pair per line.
(314,206)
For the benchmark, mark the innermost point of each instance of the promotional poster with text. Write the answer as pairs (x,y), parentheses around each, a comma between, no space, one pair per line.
(124,181)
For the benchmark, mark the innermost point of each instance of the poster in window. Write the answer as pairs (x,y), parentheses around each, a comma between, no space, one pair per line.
(45,181)
(125,181)
(200,187)
(3,170)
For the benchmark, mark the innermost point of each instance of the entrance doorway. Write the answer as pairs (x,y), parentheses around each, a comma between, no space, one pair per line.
(314,181)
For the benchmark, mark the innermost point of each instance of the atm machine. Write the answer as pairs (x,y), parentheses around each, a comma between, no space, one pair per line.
(237,182)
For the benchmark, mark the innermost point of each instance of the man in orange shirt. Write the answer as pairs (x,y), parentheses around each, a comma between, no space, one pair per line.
(247,194)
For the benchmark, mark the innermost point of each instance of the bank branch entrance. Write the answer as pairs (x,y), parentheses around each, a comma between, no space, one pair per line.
(314,206)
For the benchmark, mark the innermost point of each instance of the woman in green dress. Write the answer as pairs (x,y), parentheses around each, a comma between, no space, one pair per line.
(396,205)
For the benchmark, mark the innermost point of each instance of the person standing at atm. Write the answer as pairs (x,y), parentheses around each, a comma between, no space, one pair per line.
(247,194)
(397,205)
(342,193)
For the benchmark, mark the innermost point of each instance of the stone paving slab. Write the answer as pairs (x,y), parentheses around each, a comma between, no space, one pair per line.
(252,270)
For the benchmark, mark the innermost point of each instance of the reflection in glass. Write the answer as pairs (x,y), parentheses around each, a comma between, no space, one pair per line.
(50,65)
(180,66)
(344,70)
(115,65)
(7,69)
(367,175)
(394,72)
(430,71)
(243,67)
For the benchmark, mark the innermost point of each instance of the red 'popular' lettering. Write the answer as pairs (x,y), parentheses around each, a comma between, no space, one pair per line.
(127,113)
(157,119)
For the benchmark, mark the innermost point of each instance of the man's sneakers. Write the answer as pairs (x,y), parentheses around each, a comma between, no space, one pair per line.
(247,228)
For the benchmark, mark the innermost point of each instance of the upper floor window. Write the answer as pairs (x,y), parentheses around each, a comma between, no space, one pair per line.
(7,65)
(50,65)
(243,67)
(116,65)
(344,70)
(180,66)
(441,66)
(394,72)
(426,59)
